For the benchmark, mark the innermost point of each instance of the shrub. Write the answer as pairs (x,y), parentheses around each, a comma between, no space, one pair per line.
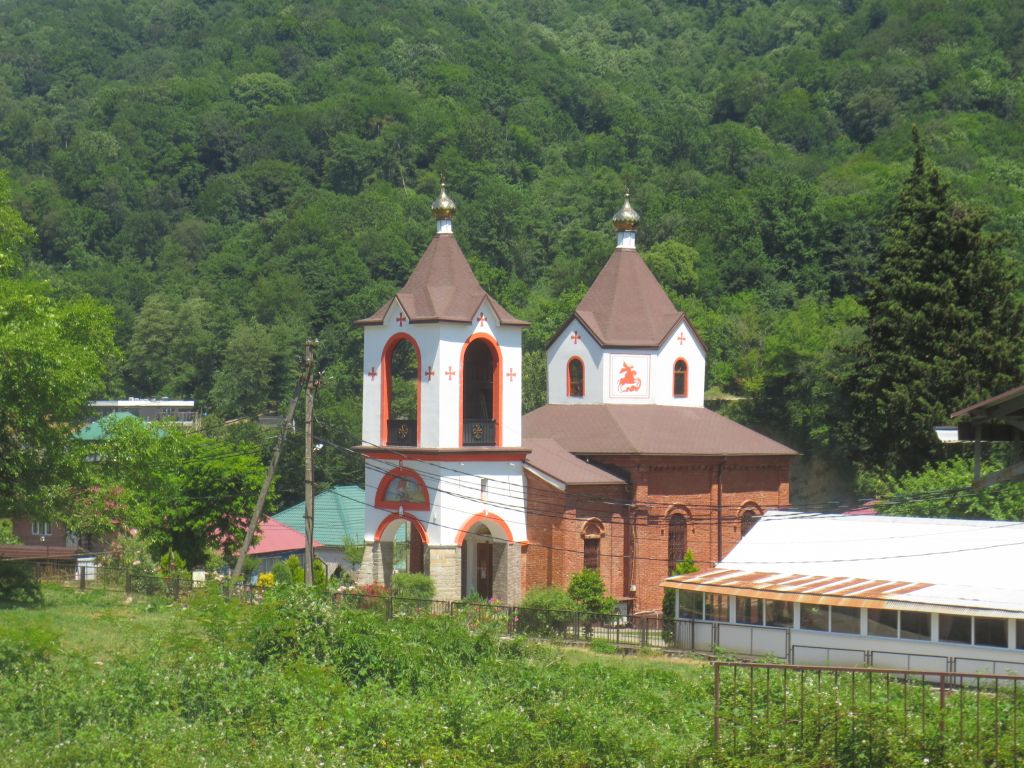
(18,585)
(415,586)
(587,590)
(23,646)
(546,611)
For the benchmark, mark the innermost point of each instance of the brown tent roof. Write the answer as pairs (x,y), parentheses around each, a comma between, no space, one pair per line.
(442,287)
(660,430)
(549,457)
(626,306)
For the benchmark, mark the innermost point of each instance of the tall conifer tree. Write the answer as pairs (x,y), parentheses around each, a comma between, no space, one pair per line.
(945,325)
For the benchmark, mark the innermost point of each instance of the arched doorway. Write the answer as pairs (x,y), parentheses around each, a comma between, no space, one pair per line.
(402,545)
(481,381)
(401,366)
(486,560)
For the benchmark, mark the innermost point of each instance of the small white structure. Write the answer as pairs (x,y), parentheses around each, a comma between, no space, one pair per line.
(896,592)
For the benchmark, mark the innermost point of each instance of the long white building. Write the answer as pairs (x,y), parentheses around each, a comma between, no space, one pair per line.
(899,592)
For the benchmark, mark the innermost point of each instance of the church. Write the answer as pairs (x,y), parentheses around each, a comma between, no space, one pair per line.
(623,471)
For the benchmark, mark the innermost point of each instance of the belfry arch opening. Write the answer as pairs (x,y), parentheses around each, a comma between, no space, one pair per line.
(403,547)
(401,366)
(481,386)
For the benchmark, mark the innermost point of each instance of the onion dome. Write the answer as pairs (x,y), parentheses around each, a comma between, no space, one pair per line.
(443,206)
(626,218)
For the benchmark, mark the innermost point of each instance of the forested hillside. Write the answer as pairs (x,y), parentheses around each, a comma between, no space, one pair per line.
(234,176)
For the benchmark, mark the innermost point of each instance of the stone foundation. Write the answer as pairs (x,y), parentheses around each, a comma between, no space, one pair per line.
(446,572)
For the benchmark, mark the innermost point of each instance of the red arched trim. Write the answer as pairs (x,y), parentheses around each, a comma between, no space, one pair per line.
(750,506)
(495,385)
(568,377)
(485,517)
(385,481)
(592,529)
(385,384)
(686,377)
(413,522)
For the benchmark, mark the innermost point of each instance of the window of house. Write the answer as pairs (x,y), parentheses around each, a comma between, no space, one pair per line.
(679,379)
(883,622)
(845,619)
(954,629)
(915,625)
(691,605)
(41,528)
(990,632)
(575,376)
(716,607)
(778,613)
(814,617)
(1020,634)
(592,554)
(676,541)
(592,533)
(749,516)
(748,610)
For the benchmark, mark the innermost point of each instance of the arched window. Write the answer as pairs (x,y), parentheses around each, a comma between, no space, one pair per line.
(750,514)
(679,378)
(401,366)
(676,540)
(592,533)
(575,385)
(402,488)
(481,382)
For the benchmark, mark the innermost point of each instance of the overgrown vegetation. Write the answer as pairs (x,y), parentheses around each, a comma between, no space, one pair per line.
(297,680)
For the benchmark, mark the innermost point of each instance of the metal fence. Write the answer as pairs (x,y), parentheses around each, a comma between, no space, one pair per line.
(866,716)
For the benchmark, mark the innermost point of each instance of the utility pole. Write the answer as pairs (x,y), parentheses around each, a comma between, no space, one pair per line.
(310,388)
(261,501)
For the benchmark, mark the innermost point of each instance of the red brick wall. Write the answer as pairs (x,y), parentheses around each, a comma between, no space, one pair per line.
(660,486)
(23,530)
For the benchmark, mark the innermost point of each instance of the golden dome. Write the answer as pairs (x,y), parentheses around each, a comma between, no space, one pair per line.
(443,206)
(626,218)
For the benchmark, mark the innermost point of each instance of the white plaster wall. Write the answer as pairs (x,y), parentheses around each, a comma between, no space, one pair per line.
(456,496)
(602,368)
(440,346)
(560,352)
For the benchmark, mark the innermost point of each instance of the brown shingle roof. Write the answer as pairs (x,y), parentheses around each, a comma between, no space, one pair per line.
(442,287)
(659,430)
(552,459)
(626,306)
(1010,401)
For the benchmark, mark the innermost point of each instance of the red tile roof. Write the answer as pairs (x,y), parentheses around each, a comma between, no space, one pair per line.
(660,430)
(277,537)
(442,287)
(626,306)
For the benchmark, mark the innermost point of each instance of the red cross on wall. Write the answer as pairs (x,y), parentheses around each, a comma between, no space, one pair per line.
(681,337)
(449,373)
(511,375)
(575,337)
(372,373)
(429,373)
(482,319)
(401,319)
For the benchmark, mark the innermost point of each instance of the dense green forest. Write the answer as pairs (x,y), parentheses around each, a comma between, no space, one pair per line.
(232,177)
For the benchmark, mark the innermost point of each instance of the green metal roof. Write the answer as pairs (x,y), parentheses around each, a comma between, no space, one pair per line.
(338,516)
(96,431)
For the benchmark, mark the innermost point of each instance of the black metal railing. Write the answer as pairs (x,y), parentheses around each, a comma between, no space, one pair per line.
(479,432)
(401,431)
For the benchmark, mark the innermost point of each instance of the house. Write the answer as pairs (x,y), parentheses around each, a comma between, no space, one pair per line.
(338,519)
(150,409)
(622,471)
(911,593)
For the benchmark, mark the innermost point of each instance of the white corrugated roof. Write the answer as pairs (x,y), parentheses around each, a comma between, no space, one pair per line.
(975,565)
